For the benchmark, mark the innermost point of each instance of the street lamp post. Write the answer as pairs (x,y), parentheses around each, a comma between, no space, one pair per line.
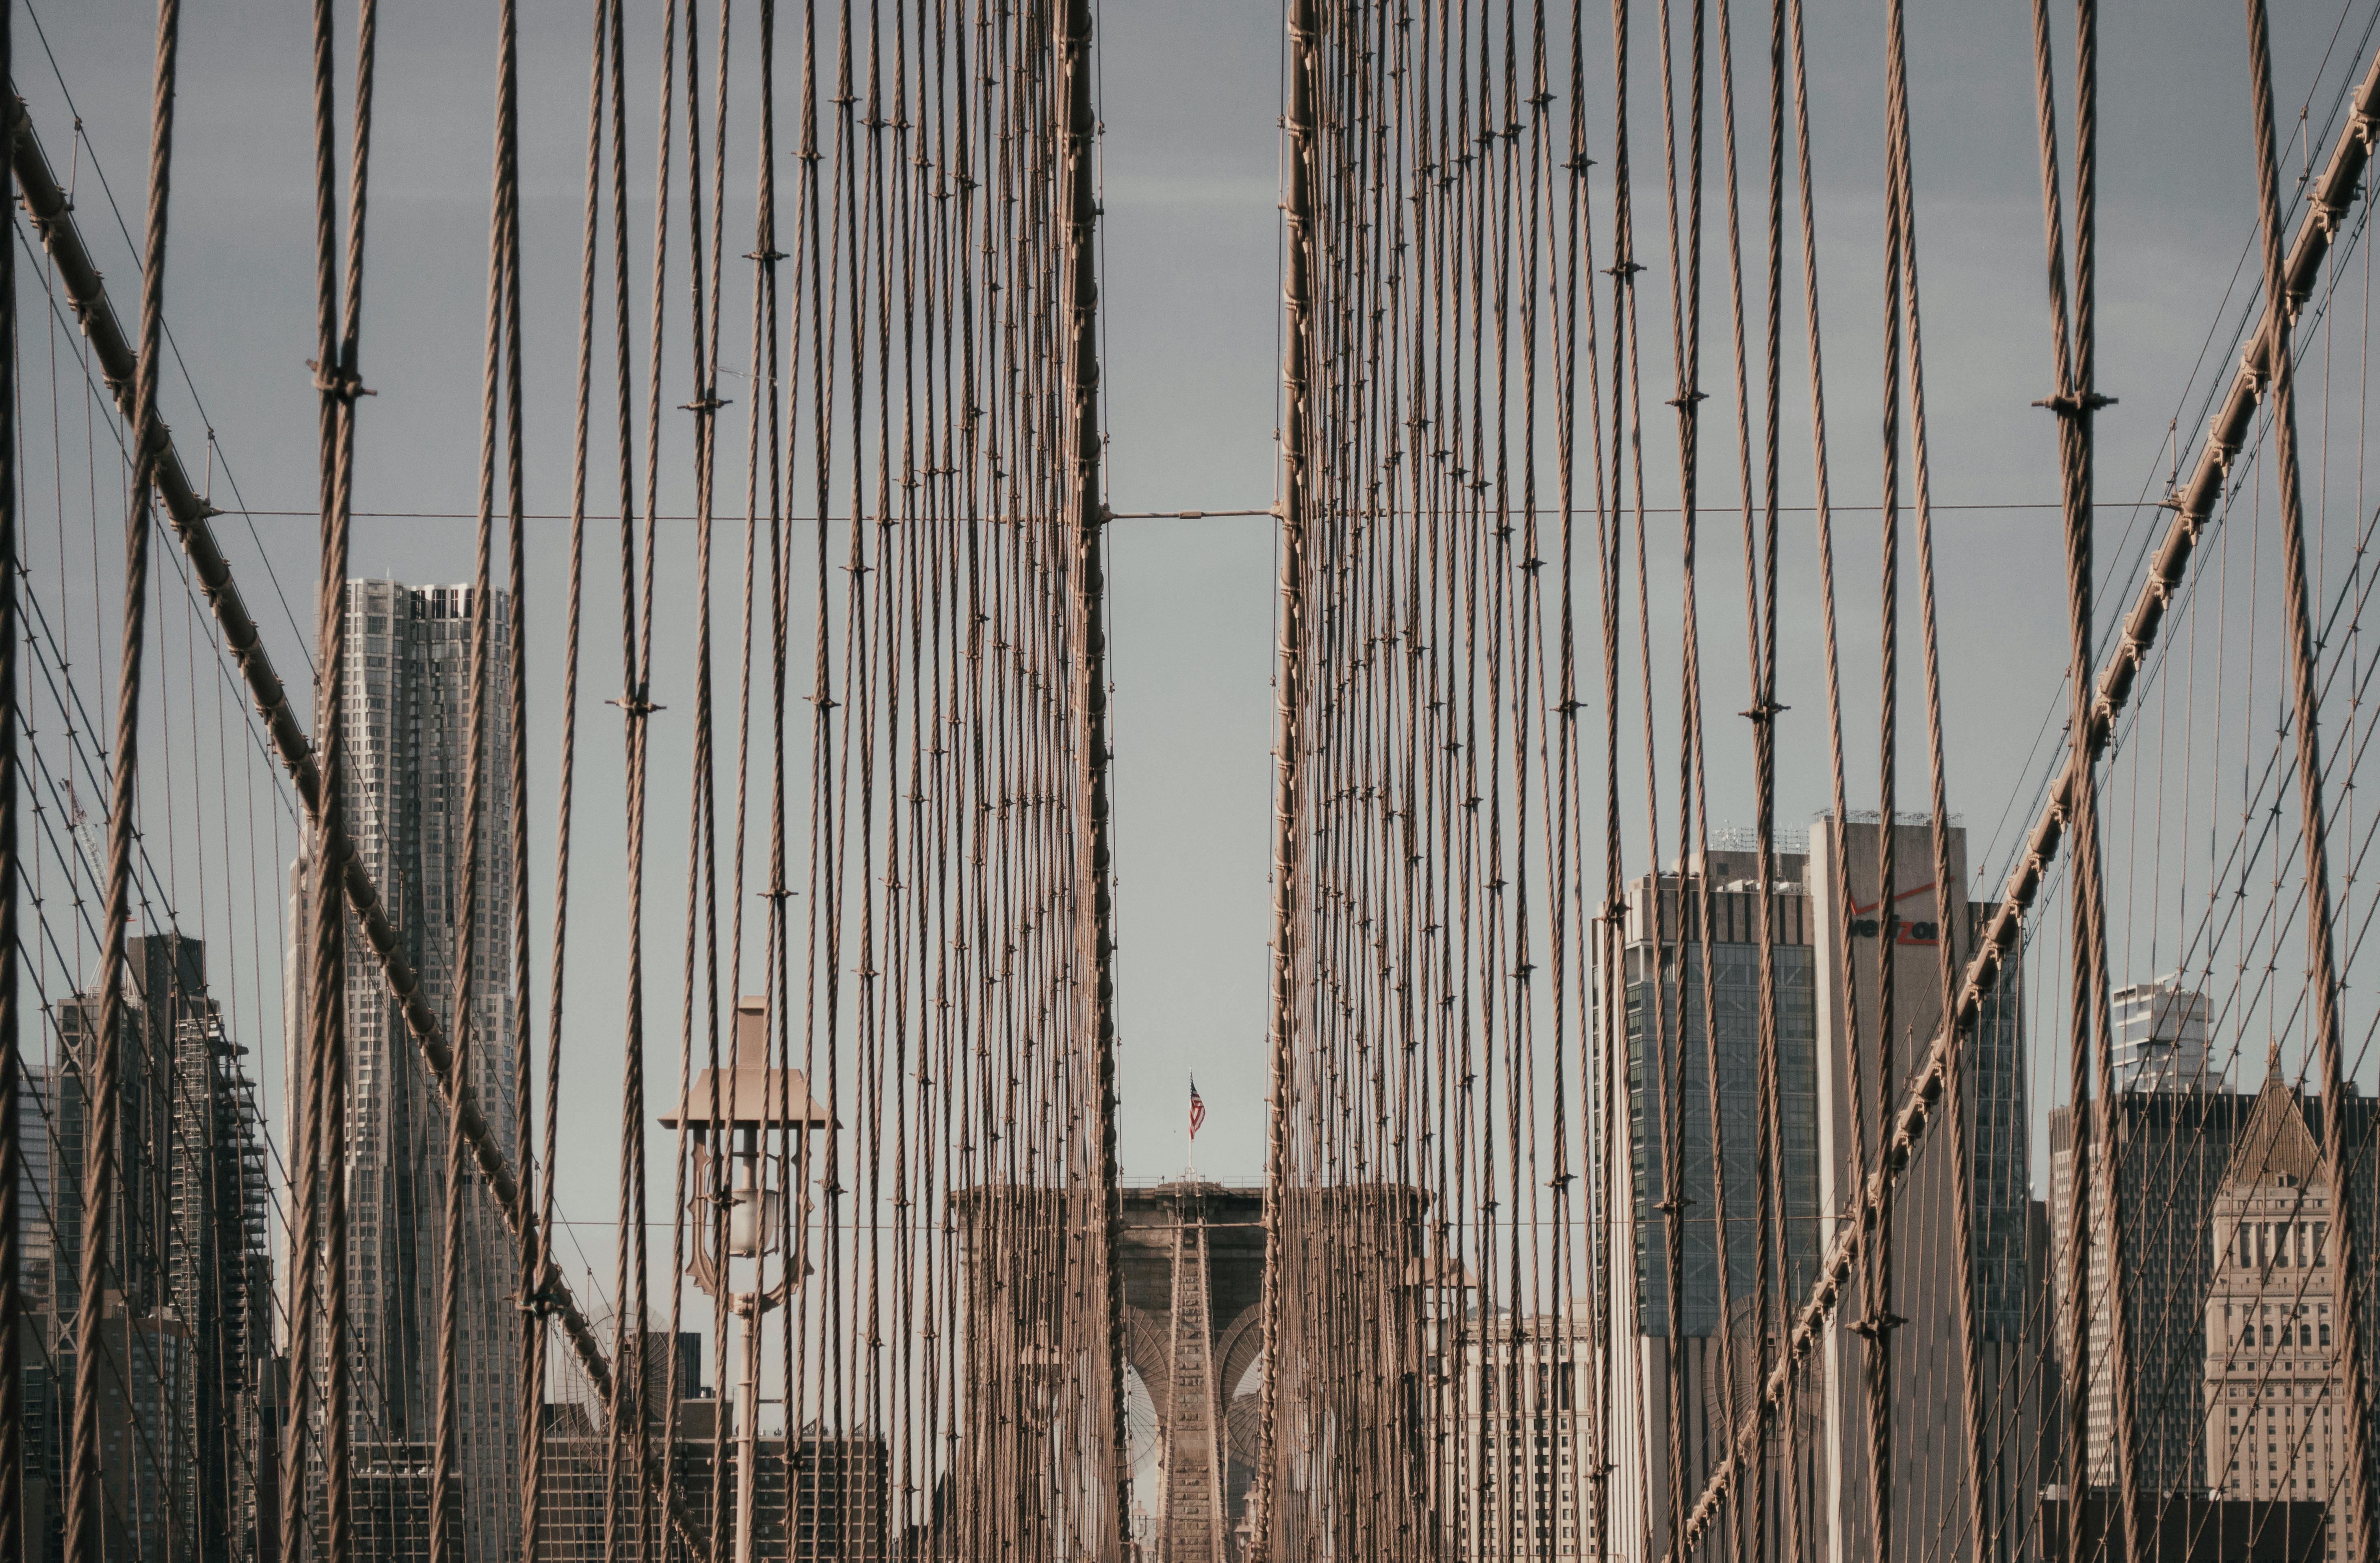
(758,1118)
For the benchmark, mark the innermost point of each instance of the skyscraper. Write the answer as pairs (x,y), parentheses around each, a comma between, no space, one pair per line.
(1671,1027)
(1515,1482)
(186,1315)
(2173,1147)
(407,731)
(2160,1033)
(2277,1399)
(1900,924)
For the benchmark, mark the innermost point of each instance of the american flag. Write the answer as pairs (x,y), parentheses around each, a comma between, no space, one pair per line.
(1197,1108)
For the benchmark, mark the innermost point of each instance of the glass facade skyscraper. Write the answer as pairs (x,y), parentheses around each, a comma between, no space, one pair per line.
(1673,1023)
(1734,994)
(407,714)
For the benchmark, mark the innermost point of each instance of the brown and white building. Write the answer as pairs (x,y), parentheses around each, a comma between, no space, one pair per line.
(2275,1396)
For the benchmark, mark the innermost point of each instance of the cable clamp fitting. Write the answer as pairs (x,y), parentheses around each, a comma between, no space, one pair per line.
(544,1303)
(1878,1326)
(344,383)
(2068,406)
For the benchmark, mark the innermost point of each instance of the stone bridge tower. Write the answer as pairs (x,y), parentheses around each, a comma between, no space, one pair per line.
(1192,1261)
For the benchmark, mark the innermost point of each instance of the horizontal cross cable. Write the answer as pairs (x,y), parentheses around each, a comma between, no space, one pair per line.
(2192,504)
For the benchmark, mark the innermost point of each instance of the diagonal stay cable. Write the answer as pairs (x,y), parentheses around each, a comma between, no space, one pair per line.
(2329,196)
(46,202)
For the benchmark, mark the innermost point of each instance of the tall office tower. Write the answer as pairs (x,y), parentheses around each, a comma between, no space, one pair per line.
(1671,1031)
(2277,1399)
(2172,1149)
(2160,1033)
(186,1317)
(1928,1476)
(407,716)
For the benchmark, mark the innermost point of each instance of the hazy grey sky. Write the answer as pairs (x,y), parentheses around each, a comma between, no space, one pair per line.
(1190,100)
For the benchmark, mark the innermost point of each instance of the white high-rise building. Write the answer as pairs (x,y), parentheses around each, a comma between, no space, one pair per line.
(2160,1032)
(406,718)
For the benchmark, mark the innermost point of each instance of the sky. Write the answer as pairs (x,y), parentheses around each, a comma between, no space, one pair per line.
(1190,101)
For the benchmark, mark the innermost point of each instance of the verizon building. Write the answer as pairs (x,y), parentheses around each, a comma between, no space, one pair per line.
(407,713)
(1900,924)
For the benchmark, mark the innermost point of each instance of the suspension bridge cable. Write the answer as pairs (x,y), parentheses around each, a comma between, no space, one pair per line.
(86,1539)
(12,1292)
(2323,973)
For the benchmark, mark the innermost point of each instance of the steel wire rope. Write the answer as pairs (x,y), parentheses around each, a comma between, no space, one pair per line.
(702,890)
(2322,975)
(536,1249)
(12,1299)
(90,758)
(289,614)
(515,855)
(298,759)
(337,372)
(2251,813)
(2207,400)
(86,1539)
(1300,68)
(1950,896)
(2115,685)
(448,1526)
(146,910)
(627,1415)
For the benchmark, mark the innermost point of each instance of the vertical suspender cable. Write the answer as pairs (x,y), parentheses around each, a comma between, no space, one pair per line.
(2075,403)
(86,1539)
(1289,700)
(537,1250)
(12,1297)
(2076,1433)
(625,1421)
(1949,895)
(516,790)
(2090,884)
(330,1042)
(2320,958)
(1086,512)
(325,907)
(446,1518)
